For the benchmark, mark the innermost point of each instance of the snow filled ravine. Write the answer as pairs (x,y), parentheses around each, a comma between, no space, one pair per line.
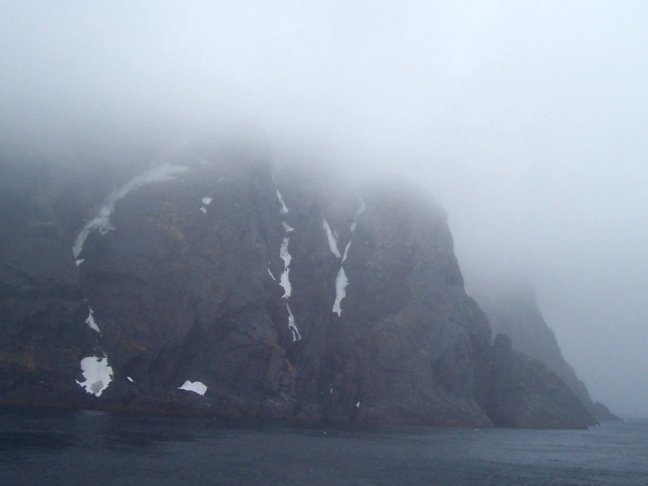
(284,279)
(341,283)
(331,237)
(341,280)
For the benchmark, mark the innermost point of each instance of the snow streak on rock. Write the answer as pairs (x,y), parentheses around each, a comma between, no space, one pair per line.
(331,237)
(130,379)
(346,252)
(284,209)
(285,255)
(354,225)
(79,261)
(90,321)
(101,222)
(291,324)
(341,283)
(206,202)
(194,386)
(97,373)
(284,280)
(271,275)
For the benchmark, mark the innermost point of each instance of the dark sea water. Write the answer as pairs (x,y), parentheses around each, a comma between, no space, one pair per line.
(91,448)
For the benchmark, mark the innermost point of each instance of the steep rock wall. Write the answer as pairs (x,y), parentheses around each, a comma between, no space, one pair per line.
(219,287)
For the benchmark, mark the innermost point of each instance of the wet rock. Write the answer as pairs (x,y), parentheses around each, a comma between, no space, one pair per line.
(512,310)
(185,290)
(524,393)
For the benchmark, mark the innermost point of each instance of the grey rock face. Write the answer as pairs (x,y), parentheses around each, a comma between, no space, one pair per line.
(286,297)
(526,395)
(409,341)
(42,309)
(513,311)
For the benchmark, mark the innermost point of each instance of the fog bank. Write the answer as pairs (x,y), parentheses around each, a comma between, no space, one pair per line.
(525,119)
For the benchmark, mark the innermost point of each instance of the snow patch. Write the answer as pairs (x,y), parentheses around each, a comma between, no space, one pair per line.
(284,209)
(287,228)
(341,282)
(291,325)
(79,261)
(90,321)
(285,276)
(331,237)
(101,222)
(271,275)
(97,373)
(130,379)
(358,405)
(206,202)
(194,386)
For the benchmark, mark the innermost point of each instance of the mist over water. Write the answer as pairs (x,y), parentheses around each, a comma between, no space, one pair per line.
(525,120)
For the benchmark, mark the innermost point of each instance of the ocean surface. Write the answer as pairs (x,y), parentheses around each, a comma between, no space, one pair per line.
(93,448)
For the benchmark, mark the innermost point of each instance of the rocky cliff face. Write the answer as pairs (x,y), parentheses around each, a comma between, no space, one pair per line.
(524,394)
(213,287)
(513,311)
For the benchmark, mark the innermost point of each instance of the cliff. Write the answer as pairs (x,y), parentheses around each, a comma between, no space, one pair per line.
(512,310)
(524,394)
(215,285)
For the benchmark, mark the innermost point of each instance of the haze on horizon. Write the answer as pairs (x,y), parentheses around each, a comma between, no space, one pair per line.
(527,120)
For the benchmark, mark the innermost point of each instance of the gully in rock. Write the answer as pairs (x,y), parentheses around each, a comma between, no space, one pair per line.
(284,280)
(341,280)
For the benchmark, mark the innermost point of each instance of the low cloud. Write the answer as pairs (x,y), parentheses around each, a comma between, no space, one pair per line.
(526,120)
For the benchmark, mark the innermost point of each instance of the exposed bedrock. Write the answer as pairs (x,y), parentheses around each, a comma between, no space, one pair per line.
(512,309)
(220,286)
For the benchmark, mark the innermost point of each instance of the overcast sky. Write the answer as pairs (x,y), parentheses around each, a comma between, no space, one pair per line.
(528,121)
